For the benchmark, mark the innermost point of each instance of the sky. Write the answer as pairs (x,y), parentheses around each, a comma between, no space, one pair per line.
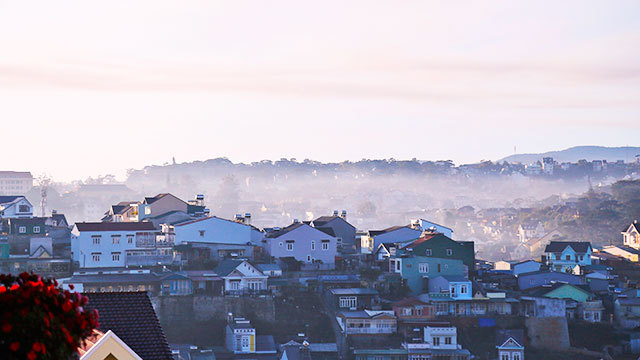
(96,87)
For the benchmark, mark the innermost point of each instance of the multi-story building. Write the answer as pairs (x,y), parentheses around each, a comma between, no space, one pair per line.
(120,244)
(15,206)
(304,243)
(416,271)
(371,322)
(15,182)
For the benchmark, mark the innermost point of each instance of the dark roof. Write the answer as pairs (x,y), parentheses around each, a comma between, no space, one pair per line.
(225,267)
(130,315)
(8,199)
(265,343)
(374,233)
(559,246)
(327,230)
(502,335)
(134,278)
(411,301)
(323,220)
(151,200)
(115,226)
(275,234)
(635,225)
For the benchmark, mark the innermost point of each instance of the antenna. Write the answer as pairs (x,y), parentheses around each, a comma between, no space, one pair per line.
(44,182)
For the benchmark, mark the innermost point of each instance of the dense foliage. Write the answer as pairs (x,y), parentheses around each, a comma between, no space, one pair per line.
(39,320)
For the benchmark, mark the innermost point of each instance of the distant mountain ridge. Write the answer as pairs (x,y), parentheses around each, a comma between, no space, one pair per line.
(573,154)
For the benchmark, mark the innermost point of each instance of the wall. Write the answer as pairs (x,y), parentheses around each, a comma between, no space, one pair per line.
(206,307)
(217,230)
(303,236)
(548,333)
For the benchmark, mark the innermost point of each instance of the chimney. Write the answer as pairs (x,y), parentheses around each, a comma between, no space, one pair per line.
(335,212)
(247,218)
(344,214)
(239,218)
(54,211)
(200,200)
(230,318)
(296,221)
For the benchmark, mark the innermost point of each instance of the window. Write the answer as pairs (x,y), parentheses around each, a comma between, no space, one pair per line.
(423,268)
(567,257)
(516,356)
(596,316)
(447,340)
(436,341)
(325,246)
(115,256)
(453,291)
(313,245)
(280,244)
(427,252)
(36,229)
(115,240)
(96,240)
(348,301)
(130,239)
(406,311)
(439,268)
(23,208)
(308,258)
(398,264)
(581,257)
(290,246)
(449,252)
(446,266)
(463,289)
(504,357)
(201,233)
(22,229)
(96,257)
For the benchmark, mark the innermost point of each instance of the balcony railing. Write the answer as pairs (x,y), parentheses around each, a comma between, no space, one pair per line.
(145,260)
(247,292)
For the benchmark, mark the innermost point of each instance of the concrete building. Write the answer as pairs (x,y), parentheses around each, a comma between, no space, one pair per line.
(15,182)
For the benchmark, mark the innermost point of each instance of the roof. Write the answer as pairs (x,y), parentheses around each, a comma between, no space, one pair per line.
(559,246)
(265,343)
(115,226)
(151,200)
(409,302)
(131,316)
(327,230)
(268,267)
(275,234)
(635,225)
(225,267)
(10,198)
(113,278)
(354,291)
(323,220)
(374,233)
(545,289)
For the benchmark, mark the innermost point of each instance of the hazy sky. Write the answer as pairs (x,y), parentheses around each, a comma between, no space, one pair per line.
(94,87)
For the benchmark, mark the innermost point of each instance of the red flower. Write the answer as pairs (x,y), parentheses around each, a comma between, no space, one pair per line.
(37,347)
(14,346)
(14,287)
(3,289)
(66,306)
(32,355)
(6,327)
(71,286)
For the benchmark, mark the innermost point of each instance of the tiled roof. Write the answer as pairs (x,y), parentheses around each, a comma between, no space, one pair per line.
(115,226)
(225,267)
(559,246)
(131,316)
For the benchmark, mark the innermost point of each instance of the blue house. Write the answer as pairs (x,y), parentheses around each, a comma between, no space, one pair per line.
(417,271)
(565,255)
(458,287)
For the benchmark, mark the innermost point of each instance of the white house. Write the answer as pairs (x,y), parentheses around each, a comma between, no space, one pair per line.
(241,277)
(443,337)
(302,242)
(510,344)
(631,236)
(16,206)
(395,234)
(119,244)
(240,336)
(217,230)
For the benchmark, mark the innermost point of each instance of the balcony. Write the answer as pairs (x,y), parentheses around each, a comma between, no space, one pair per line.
(369,330)
(149,260)
(247,292)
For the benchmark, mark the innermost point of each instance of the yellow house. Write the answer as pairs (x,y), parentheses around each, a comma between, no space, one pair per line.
(106,346)
(628,253)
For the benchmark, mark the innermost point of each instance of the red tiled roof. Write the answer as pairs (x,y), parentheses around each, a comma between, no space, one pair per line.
(420,240)
(131,316)
(115,226)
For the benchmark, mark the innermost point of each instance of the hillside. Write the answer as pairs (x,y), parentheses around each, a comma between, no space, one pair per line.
(573,154)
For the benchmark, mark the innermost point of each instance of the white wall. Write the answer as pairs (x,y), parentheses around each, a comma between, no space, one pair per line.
(217,230)
(303,237)
(82,247)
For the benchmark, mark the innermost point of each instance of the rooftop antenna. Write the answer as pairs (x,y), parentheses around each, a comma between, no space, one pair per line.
(43,181)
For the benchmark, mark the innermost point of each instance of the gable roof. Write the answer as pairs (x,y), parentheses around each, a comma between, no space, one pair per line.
(225,267)
(98,340)
(323,220)
(115,226)
(559,246)
(278,233)
(327,230)
(634,224)
(131,316)
(503,335)
(151,200)
(10,198)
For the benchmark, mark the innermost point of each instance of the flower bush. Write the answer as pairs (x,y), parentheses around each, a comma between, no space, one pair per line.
(39,320)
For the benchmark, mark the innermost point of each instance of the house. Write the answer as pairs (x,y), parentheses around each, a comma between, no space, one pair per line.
(369,322)
(19,231)
(293,350)
(540,278)
(15,182)
(565,255)
(426,225)
(384,251)
(517,267)
(205,282)
(101,346)
(120,244)
(627,312)
(115,281)
(530,230)
(161,204)
(173,284)
(123,211)
(240,277)
(442,340)
(15,206)
(458,287)
(345,232)
(130,315)
(631,236)
(536,245)
(440,246)
(581,303)
(221,238)
(626,252)
(394,234)
(241,338)
(412,314)
(271,270)
(416,271)
(510,344)
(352,298)
(304,243)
